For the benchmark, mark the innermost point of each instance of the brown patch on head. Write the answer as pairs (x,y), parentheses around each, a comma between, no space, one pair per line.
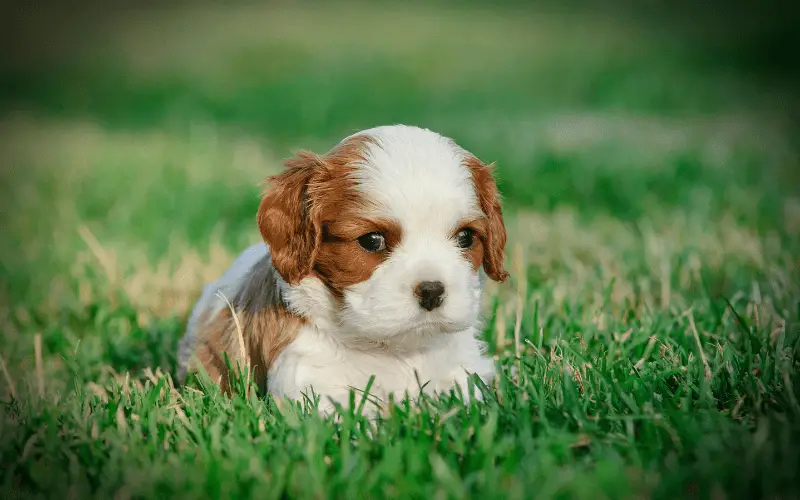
(475,253)
(311,218)
(341,261)
(493,236)
(267,327)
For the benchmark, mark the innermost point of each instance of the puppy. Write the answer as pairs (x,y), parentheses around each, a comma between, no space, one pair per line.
(371,267)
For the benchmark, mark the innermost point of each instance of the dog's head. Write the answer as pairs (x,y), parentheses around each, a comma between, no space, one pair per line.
(385,235)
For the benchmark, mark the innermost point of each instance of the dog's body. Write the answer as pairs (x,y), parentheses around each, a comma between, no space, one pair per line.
(371,267)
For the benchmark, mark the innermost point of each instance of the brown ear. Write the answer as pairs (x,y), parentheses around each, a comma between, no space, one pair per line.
(495,240)
(288,220)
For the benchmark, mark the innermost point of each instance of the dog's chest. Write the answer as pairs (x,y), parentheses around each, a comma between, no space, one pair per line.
(332,370)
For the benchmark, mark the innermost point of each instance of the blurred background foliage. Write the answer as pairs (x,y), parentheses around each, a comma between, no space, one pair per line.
(624,108)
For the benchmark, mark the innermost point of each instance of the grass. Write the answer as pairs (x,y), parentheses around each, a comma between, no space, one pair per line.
(647,343)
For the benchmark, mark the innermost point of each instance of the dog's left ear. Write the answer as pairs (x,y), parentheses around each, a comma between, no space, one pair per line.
(495,239)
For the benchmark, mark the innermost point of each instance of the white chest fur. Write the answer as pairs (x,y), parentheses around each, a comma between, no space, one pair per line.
(333,370)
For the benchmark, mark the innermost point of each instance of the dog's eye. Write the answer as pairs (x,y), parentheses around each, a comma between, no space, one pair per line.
(465,237)
(372,242)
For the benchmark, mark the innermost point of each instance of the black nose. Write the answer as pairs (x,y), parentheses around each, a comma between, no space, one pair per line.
(429,294)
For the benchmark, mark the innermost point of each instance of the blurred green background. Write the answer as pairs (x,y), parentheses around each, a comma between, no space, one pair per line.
(647,152)
(622,109)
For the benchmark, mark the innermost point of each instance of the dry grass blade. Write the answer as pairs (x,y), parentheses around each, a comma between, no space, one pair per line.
(647,350)
(37,347)
(11,388)
(99,252)
(522,284)
(239,334)
(693,327)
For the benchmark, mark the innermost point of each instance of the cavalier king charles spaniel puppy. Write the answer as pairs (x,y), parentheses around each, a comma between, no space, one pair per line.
(373,264)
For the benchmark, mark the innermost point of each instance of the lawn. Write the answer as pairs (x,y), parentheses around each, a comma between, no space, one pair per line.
(648,342)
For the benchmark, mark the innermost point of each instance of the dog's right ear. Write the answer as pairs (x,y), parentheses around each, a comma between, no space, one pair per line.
(288,220)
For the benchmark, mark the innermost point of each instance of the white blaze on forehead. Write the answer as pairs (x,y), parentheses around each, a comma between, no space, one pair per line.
(417,177)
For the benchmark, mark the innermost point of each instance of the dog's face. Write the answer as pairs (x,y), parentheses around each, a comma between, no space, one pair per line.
(394,224)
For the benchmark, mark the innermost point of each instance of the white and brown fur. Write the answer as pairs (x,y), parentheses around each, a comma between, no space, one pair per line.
(318,311)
